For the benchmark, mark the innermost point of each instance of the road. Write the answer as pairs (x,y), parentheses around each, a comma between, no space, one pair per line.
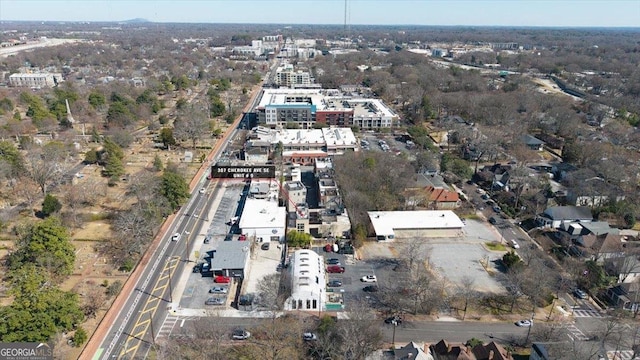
(12,50)
(129,328)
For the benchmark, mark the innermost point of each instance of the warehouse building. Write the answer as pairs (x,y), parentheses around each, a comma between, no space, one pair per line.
(391,225)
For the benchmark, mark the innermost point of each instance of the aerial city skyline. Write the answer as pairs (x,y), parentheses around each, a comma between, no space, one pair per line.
(562,13)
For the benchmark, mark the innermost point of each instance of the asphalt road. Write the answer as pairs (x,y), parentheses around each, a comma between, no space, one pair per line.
(144,310)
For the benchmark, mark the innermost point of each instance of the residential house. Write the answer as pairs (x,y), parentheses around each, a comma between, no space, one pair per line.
(533,143)
(625,296)
(491,351)
(598,247)
(446,351)
(594,192)
(557,216)
(412,351)
(626,268)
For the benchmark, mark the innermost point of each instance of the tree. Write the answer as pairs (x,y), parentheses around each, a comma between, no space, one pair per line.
(511,259)
(273,290)
(50,205)
(298,239)
(45,244)
(12,160)
(48,165)
(91,157)
(157,163)
(80,337)
(97,100)
(278,339)
(114,168)
(191,124)
(174,188)
(466,292)
(166,136)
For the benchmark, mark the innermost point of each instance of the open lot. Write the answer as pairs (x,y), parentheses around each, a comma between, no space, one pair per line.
(451,258)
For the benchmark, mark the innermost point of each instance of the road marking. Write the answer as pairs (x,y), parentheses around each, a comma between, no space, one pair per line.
(621,355)
(142,324)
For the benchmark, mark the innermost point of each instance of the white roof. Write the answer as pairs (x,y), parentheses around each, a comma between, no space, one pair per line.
(335,137)
(262,213)
(307,274)
(384,222)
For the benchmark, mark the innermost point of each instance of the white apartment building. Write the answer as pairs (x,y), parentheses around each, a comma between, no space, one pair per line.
(308,281)
(35,80)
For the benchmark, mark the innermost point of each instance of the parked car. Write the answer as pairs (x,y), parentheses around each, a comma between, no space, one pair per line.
(397,319)
(335,269)
(197,268)
(265,246)
(514,244)
(370,288)
(175,237)
(484,197)
(580,294)
(207,239)
(222,279)
(240,334)
(369,278)
(524,323)
(328,248)
(496,208)
(333,261)
(334,283)
(214,301)
(218,290)
(242,237)
(245,300)
(309,336)
(203,190)
(493,220)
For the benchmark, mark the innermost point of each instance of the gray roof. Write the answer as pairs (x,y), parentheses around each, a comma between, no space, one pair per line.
(531,140)
(600,227)
(569,213)
(231,255)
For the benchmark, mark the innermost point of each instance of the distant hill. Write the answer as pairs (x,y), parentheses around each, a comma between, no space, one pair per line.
(135,21)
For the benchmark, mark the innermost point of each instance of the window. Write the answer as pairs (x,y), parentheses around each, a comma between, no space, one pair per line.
(300,304)
(293,304)
(308,304)
(315,303)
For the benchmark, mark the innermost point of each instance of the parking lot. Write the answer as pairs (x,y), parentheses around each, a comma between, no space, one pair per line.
(450,258)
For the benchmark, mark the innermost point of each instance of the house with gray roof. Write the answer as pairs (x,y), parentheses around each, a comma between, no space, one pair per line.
(533,143)
(231,258)
(557,216)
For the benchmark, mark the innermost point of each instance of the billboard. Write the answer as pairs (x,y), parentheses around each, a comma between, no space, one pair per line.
(243,171)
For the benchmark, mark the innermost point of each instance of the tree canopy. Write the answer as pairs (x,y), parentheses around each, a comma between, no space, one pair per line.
(174,188)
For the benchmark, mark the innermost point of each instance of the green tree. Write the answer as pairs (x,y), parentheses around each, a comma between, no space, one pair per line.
(181,103)
(298,239)
(166,136)
(97,99)
(80,337)
(157,163)
(174,188)
(91,157)
(217,107)
(6,105)
(511,260)
(113,167)
(112,149)
(119,115)
(45,244)
(50,205)
(10,155)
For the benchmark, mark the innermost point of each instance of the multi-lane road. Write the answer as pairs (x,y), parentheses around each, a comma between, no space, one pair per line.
(130,327)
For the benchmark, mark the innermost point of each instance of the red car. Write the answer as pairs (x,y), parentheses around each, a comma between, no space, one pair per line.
(222,279)
(328,248)
(242,237)
(335,269)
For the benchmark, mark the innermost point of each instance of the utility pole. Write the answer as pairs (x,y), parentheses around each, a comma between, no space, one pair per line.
(526,341)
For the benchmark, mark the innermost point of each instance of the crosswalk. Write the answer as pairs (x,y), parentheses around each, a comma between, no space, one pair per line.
(575,333)
(582,313)
(621,355)
(169,323)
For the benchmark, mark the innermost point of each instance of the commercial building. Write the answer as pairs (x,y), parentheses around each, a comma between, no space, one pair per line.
(287,76)
(305,107)
(308,281)
(35,80)
(231,258)
(390,225)
(263,220)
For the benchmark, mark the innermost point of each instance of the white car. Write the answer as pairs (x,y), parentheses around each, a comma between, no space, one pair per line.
(175,237)
(369,279)
(524,323)
(218,290)
(202,191)
(514,244)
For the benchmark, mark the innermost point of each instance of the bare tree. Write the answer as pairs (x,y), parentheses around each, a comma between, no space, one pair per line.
(276,339)
(466,291)
(48,165)
(191,124)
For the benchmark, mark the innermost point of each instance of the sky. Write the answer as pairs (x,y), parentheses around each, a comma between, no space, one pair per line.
(554,13)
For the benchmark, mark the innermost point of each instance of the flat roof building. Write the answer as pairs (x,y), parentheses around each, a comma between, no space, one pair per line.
(231,258)
(389,225)
(308,281)
(263,220)
(35,80)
